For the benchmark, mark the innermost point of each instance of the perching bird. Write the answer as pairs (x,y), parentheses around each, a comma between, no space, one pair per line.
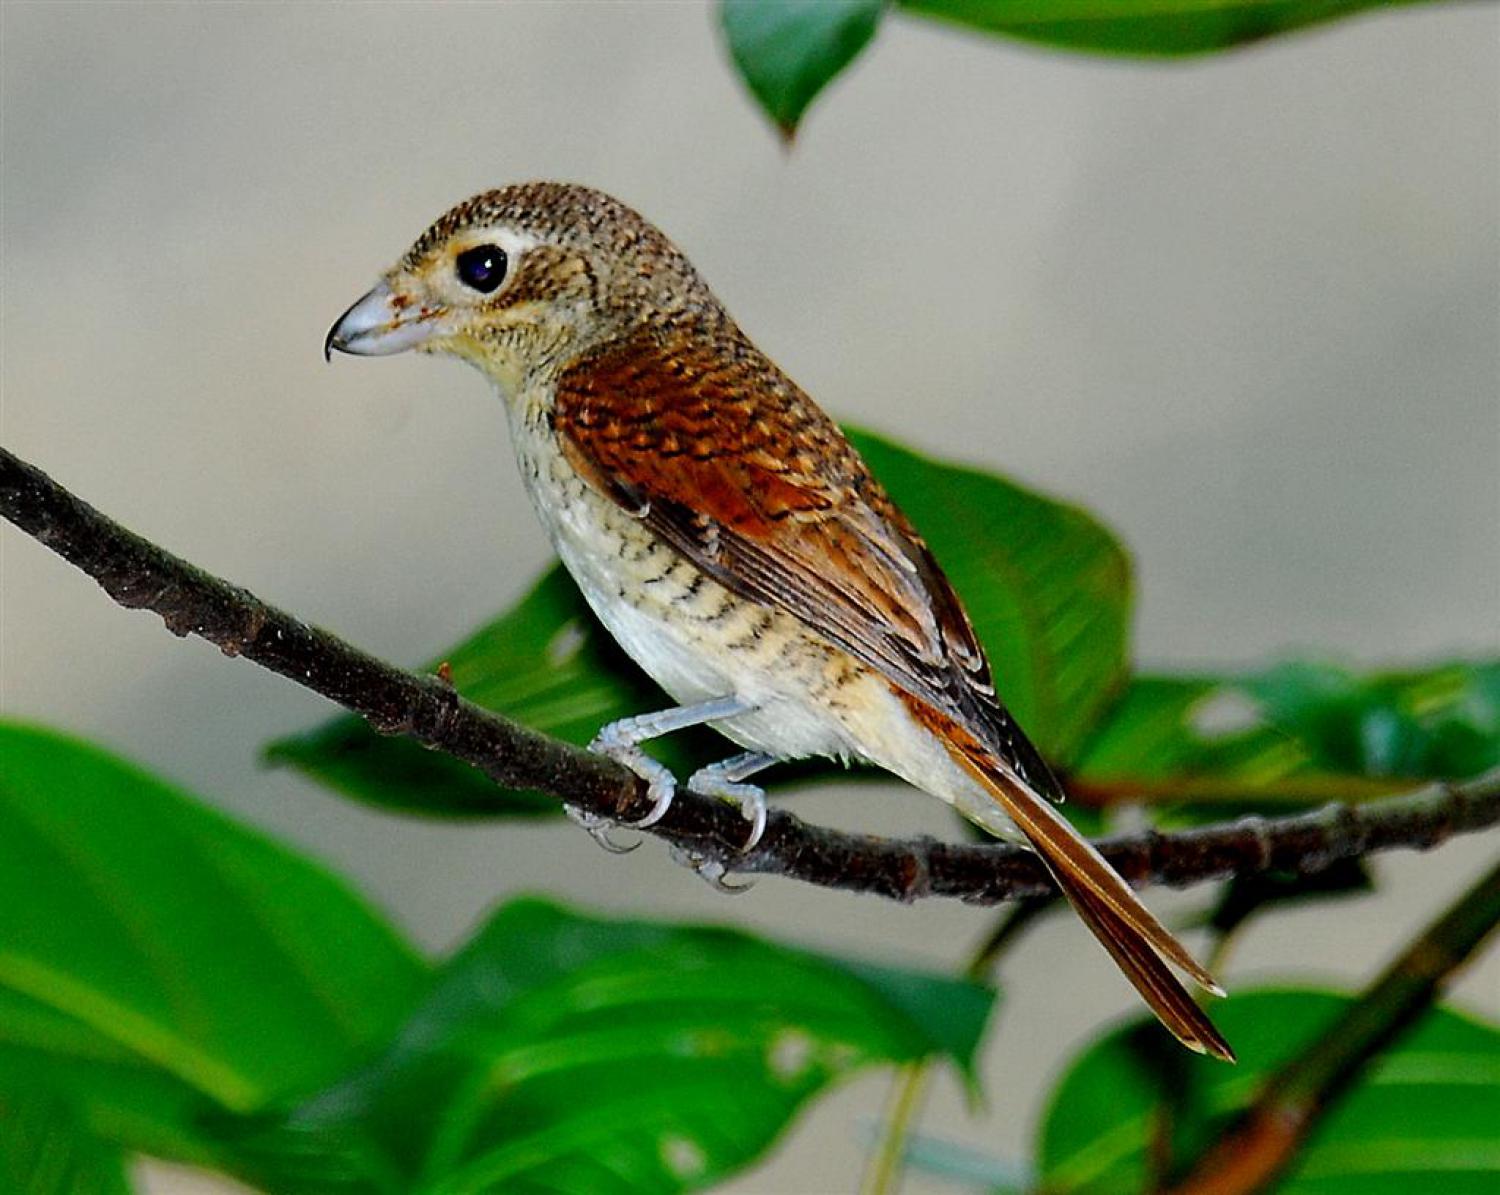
(731,539)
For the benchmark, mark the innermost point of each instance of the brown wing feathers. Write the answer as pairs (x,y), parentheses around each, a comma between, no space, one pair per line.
(724,458)
(728,461)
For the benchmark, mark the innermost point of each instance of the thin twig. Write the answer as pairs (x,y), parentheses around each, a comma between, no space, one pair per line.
(888,1159)
(1268,1137)
(138,574)
(1010,926)
(909,1086)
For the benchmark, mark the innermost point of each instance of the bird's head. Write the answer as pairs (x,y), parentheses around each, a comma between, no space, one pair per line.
(524,280)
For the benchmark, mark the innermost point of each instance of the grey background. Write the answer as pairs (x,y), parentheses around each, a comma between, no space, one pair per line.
(1246,309)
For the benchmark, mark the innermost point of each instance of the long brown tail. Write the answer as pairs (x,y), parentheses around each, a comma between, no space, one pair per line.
(1139,943)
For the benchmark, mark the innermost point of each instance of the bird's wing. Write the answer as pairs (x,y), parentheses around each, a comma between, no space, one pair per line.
(723,456)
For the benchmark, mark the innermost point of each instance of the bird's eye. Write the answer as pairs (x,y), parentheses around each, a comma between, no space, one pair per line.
(482,268)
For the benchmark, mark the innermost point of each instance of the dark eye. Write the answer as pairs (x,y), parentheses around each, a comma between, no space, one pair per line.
(482,268)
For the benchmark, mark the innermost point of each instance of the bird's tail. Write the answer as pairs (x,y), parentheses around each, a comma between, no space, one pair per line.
(1139,943)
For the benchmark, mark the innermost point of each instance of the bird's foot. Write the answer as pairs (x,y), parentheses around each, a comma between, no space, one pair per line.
(620,741)
(725,780)
(711,871)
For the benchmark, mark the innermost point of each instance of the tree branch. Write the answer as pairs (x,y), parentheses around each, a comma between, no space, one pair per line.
(140,575)
(1270,1134)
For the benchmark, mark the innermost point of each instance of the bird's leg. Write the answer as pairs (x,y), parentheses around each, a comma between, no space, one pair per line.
(724,780)
(621,741)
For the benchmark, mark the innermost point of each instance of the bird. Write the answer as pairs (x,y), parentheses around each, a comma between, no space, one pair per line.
(732,540)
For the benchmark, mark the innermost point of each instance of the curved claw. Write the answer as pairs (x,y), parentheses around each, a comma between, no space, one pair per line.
(725,781)
(661,793)
(753,809)
(752,802)
(661,784)
(601,836)
(598,829)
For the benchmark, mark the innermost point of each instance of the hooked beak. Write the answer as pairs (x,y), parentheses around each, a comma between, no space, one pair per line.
(379,324)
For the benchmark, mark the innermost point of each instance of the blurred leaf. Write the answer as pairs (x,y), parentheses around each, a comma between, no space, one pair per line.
(1298,732)
(156,959)
(1423,1119)
(1142,27)
(1047,586)
(116,1094)
(120,1096)
(45,1151)
(1438,722)
(563,1052)
(787,50)
(1179,728)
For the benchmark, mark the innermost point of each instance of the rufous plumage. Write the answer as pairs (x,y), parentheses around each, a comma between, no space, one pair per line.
(731,539)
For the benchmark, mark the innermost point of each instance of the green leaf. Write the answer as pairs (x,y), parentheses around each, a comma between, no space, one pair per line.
(564,1052)
(125,1101)
(788,50)
(1142,27)
(45,1151)
(1423,1119)
(1048,588)
(1439,722)
(157,960)
(1298,732)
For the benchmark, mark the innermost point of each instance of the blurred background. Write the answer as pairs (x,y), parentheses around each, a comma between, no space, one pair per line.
(1245,309)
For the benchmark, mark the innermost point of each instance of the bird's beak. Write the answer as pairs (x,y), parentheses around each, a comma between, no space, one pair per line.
(380,324)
